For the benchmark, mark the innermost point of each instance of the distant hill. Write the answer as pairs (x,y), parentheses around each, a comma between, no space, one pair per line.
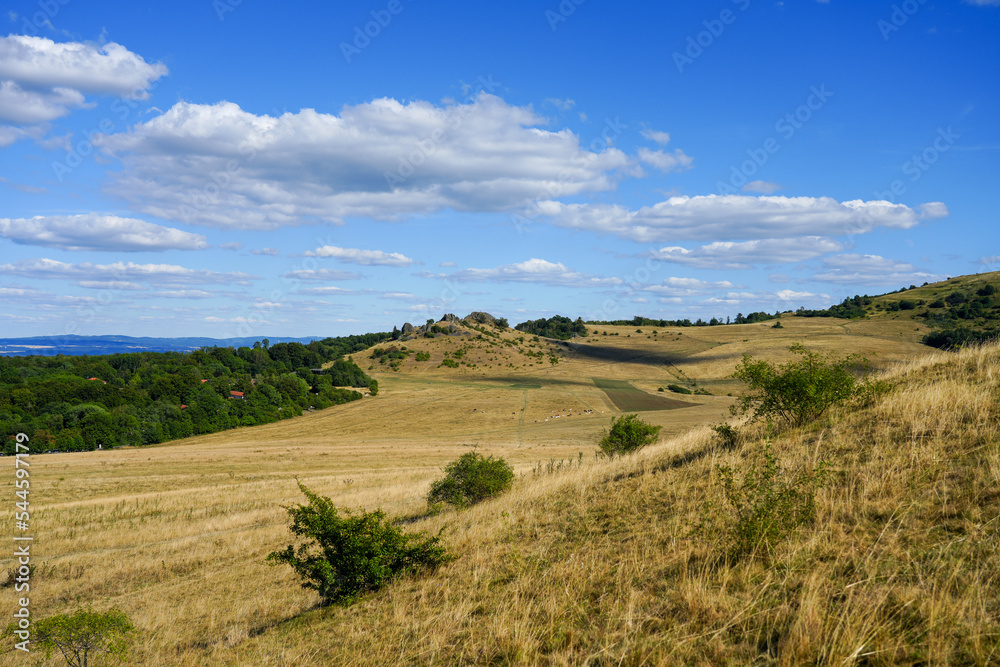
(76,345)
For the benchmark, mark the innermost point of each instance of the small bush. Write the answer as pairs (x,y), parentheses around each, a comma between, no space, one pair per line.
(423,356)
(84,634)
(727,436)
(778,325)
(471,479)
(627,434)
(765,506)
(344,556)
(797,392)
(677,389)
(450,363)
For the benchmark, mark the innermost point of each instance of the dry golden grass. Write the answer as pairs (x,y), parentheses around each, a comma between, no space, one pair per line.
(593,564)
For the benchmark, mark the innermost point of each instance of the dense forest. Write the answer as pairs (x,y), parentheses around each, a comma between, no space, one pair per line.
(77,403)
(556,326)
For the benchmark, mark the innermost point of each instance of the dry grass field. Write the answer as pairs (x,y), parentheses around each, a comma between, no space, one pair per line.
(593,565)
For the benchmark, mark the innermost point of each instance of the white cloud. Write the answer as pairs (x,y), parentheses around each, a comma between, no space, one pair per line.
(735,217)
(676,161)
(362,257)
(93,231)
(561,104)
(662,138)
(268,252)
(854,269)
(536,271)
(747,254)
(320,275)
(333,290)
(679,287)
(160,275)
(41,80)
(763,187)
(382,160)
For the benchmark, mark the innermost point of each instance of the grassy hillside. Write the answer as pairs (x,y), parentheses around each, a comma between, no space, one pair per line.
(596,562)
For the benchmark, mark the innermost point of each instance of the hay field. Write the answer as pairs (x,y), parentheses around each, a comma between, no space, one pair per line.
(176,535)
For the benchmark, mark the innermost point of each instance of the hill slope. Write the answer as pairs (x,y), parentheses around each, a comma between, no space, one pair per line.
(597,565)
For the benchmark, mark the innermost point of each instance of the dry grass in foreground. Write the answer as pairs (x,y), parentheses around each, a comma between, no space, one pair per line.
(596,565)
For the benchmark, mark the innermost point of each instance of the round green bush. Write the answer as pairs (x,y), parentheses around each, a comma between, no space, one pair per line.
(472,479)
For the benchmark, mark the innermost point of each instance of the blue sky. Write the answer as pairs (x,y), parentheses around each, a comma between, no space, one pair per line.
(237,168)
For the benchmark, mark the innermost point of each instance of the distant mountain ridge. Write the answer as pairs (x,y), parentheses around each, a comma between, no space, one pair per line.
(76,345)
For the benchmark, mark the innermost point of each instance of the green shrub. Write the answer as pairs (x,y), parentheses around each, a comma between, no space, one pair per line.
(727,436)
(797,392)
(627,434)
(423,356)
(764,506)
(677,389)
(778,325)
(344,555)
(471,479)
(450,363)
(84,634)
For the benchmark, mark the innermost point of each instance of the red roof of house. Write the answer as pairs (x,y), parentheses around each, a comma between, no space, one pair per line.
(204,381)
(236,394)
(183,406)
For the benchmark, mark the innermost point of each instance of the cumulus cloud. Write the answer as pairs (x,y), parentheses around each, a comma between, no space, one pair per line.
(664,161)
(662,138)
(221,166)
(747,254)
(41,80)
(783,299)
(268,252)
(161,275)
(854,269)
(679,287)
(736,217)
(362,257)
(535,271)
(93,231)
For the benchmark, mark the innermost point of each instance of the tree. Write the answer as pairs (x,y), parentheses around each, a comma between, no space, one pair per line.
(84,634)
(801,390)
(627,434)
(471,479)
(346,555)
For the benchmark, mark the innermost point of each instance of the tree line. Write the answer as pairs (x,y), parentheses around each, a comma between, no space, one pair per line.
(80,403)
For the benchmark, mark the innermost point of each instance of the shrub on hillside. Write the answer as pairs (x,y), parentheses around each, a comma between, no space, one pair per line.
(763,506)
(677,389)
(83,635)
(471,479)
(801,390)
(423,356)
(627,434)
(346,555)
